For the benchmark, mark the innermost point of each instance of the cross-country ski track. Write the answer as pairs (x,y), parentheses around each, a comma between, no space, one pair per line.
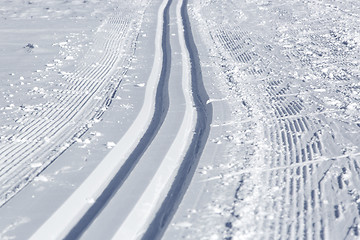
(177,122)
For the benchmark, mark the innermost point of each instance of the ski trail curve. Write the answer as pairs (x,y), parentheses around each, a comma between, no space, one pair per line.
(201,133)
(158,202)
(161,106)
(79,210)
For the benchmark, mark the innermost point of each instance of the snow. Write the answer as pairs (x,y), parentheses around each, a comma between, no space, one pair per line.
(145,208)
(77,93)
(56,226)
(287,71)
(110,144)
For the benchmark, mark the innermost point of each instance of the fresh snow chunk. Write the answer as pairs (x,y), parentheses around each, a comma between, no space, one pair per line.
(69,58)
(35,165)
(352,109)
(41,178)
(9,107)
(140,85)
(216,141)
(61,44)
(352,106)
(97,134)
(110,145)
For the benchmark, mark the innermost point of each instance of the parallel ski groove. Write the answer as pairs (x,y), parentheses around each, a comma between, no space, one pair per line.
(60,117)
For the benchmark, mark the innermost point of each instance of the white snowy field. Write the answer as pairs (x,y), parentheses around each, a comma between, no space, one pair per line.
(78,86)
